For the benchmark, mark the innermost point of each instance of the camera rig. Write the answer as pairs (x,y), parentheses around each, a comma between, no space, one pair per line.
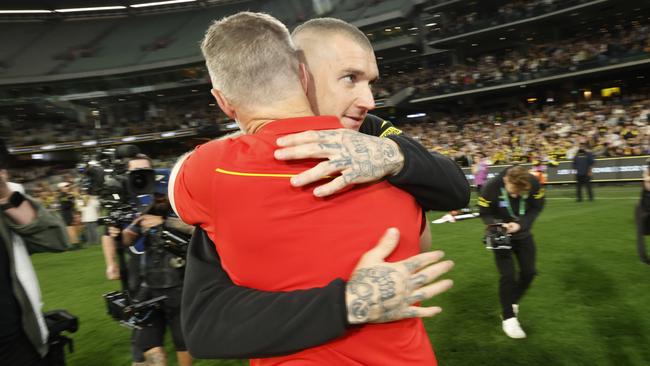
(496,237)
(59,321)
(107,176)
(134,315)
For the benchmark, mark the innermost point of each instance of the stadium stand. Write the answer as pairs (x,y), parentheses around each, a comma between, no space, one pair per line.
(476,15)
(88,45)
(614,128)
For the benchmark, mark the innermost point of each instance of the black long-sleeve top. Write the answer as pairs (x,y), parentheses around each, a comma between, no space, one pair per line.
(436,182)
(494,201)
(223,320)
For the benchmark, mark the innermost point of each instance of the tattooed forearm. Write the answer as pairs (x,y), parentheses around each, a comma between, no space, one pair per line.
(362,158)
(370,157)
(392,157)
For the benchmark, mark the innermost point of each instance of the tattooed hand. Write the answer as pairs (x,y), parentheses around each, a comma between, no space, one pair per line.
(380,292)
(359,158)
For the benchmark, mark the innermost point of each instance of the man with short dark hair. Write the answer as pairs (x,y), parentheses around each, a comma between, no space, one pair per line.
(514,199)
(25,228)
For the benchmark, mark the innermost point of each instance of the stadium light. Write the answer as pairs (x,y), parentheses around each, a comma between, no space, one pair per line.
(97,8)
(143,5)
(25,11)
(416,115)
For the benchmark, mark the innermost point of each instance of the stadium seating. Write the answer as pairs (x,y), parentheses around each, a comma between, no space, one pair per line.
(60,43)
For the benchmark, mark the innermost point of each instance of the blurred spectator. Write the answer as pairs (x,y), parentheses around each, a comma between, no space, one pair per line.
(89,207)
(480,170)
(67,210)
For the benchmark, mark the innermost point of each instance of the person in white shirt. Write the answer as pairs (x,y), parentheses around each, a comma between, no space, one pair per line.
(89,207)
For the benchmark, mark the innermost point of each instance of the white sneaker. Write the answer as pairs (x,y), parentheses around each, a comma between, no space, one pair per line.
(512,328)
(515,309)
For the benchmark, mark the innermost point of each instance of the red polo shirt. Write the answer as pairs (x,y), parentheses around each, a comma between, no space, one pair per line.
(274,237)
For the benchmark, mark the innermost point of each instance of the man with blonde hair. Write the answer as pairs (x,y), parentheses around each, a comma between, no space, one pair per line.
(208,188)
(513,199)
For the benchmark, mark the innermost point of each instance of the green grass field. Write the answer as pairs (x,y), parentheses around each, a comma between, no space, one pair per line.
(590,304)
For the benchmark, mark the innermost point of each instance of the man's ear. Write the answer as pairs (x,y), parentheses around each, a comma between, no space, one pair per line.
(224,104)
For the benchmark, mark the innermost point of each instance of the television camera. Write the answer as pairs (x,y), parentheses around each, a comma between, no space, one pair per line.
(496,237)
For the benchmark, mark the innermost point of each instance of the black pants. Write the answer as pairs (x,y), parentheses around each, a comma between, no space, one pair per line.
(20,352)
(511,287)
(583,180)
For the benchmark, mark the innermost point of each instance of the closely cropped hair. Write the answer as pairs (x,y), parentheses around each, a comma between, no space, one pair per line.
(251,58)
(519,177)
(331,26)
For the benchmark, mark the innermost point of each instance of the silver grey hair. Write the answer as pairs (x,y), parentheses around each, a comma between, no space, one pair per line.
(251,58)
(320,26)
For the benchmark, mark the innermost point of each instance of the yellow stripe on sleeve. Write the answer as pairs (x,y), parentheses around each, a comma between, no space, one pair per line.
(391,131)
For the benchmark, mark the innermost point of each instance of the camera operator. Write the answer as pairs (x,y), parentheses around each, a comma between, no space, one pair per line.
(642,216)
(162,276)
(513,199)
(25,228)
(133,270)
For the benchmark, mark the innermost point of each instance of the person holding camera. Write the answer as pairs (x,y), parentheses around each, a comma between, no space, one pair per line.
(132,271)
(25,228)
(162,275)
(513,199)
(150,271)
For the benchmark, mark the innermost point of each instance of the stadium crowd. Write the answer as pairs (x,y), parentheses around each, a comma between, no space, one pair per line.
(607,46)
(463,21)
(124,120)
(554,133)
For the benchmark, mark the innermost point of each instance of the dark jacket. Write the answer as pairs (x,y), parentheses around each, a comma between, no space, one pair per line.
(583,162)
(45,234)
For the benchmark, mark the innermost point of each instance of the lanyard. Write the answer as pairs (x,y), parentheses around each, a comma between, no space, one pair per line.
(522,203)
